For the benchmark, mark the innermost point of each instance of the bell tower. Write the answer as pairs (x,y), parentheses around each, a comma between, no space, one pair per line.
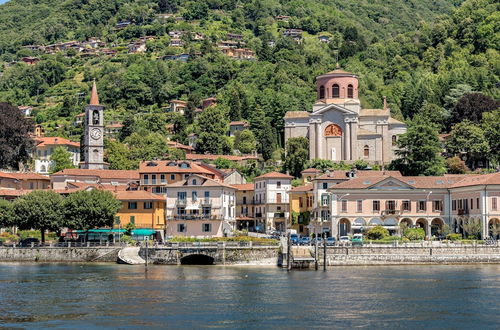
(94,134)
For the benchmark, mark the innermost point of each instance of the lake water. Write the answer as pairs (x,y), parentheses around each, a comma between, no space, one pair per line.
(83,296)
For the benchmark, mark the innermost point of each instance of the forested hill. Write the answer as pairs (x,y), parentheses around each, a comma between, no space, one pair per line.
(48,21)
(423,55)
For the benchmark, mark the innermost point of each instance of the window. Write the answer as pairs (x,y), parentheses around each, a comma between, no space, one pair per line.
(172,177)
(278,198)
(366,151)
(194,196)
(321,92)
(162,178)
(301,204)
(437,206)
(310,201)
(43,169)
(207,194)
(132,219)
(206,211)
(278,184)
(406,206)
(350,91)
(184,165)
(146,179)
(181,211)
(325,215)
(471,204)
(394,140)
(153,179)
(376,206)
(325,200)
(132,205)
(494,204)
(194,182)
(359,205)
(181,228)
(148,205)
(422,205)
(244,199)
(325,185)
(31,185)
(206,227)
(453,205)
(186,176)
(181,196)
(477,203)
(335,91)
(344,206)
(390,205)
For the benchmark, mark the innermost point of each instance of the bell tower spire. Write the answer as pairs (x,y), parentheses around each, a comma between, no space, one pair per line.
(93,147)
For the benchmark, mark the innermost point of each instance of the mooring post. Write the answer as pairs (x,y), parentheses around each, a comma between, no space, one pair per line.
(146,264)
(324,251)
(316,251)
(288,252)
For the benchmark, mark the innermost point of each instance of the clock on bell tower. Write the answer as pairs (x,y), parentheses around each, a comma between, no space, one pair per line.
(93,148)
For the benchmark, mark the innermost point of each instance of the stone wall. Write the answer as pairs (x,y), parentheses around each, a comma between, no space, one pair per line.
(60,254)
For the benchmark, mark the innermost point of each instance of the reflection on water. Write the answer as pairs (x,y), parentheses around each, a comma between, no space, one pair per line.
(110,296)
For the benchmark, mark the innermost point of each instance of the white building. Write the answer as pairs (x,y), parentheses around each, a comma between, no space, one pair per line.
(45,147)
(271,200)
(200,207)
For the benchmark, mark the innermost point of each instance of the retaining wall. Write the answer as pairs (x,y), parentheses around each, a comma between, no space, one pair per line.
(60,254)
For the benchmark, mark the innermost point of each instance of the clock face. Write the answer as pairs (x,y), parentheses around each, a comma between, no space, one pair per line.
(95,134)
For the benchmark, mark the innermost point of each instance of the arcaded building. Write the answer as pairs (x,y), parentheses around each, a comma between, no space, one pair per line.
(339,129)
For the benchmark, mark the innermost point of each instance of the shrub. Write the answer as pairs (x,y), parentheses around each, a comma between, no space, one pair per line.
(454,237)
(377,232)
(414,234)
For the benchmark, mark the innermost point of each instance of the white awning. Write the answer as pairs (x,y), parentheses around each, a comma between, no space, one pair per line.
(193,207)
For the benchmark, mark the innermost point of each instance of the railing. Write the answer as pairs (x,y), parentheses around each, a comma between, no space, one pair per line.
(258,215)
(195,217)
(206,202)
(463,211)
(181,202)
(390,212)
(217,244)
(102,243)
(279,214)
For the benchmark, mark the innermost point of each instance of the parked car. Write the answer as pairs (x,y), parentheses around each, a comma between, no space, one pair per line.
(330,241)
(305,240)
(344,240)
(27,241)
(357,240)
(319,239)
(294,238)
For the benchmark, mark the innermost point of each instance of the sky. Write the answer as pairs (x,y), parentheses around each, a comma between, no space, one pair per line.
(3,1)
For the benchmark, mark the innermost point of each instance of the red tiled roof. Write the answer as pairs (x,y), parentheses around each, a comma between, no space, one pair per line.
(480,179)
(7,176)
(237,123)
(51,141)
(311,170)
(274,175)
(103,174)
(162,166)
(307,187)
(342,175)
(174,144)
(206,182)
(13,192)
(214,157)
(137,195)
(243,186)
(29,176)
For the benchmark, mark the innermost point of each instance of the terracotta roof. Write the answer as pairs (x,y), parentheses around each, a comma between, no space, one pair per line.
(338,72)
(444,137)
(214,157)
(52,141)
(297,114)
(172,166)
(103,174)
(13,192)
(178,101)
(206,182)
(94,98)
(238,123)
(6,175)
(175,144)
(342,175)
(480,179)
(395,121)
(114,126)
(307,187)
(80,115)
(243,186)
(137,195)
(311,170)
(374,113)
(274,175)
(29,176)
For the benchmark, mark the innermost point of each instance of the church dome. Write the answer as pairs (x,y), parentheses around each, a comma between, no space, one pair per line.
(337,84)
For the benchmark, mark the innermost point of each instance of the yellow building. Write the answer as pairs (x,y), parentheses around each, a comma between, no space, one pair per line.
(142,208)
(301,206)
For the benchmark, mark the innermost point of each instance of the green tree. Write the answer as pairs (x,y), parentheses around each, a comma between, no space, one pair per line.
(117,155)
(224,163)
(15,143)
(40,210)
(6,213)
(419,150)
(61,159)
(455,165)
(377,232)
(245,141)
(127,128)
(146,147)
(471,107)
(84,210)
(212,124)
(176,154)
(491,129)
(297,155)
(468,140)
(472,227)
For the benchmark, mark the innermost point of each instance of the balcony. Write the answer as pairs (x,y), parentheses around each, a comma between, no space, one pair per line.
(258,215)
(463,211)
(279,214)
(195,217)
(391,212)
(206,202)
(181,202)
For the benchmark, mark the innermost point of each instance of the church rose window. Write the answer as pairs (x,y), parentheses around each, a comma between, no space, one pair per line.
(333,130)
(321,92)
(350,91)
(335,91)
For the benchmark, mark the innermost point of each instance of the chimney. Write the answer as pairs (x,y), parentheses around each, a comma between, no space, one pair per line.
(385,102)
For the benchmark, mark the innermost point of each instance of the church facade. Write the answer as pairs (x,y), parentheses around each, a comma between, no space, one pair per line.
(338,128)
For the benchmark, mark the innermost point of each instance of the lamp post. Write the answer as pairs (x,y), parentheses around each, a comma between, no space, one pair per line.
(427,213)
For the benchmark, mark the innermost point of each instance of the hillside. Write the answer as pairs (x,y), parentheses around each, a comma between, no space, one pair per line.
(401,49)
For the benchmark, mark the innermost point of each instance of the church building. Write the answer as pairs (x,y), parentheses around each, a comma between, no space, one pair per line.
(93,148)
(338,128)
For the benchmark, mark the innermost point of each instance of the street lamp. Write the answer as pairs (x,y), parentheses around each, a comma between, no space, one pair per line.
(337,199)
